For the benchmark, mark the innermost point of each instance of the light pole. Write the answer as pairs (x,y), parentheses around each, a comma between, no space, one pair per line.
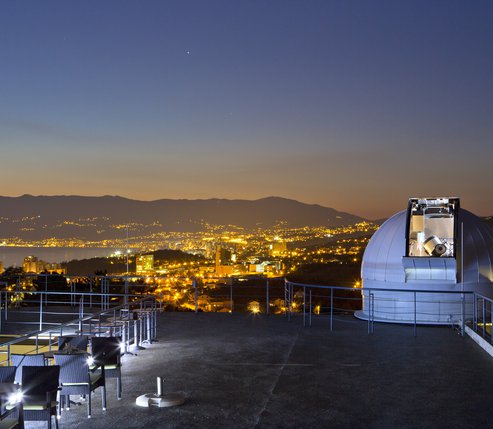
(126,274)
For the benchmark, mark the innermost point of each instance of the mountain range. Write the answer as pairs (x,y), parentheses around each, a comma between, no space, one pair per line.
(97,218)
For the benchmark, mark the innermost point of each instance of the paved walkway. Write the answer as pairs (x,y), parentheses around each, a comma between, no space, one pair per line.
(245,371)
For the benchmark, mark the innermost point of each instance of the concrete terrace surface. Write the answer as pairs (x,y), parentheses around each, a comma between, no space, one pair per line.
(246,371)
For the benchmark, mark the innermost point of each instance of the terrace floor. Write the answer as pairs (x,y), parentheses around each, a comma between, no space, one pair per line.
(245,371)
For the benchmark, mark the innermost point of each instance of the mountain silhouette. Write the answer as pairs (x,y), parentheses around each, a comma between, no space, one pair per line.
(95,218)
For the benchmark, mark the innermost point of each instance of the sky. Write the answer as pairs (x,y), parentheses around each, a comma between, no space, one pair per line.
(354,105)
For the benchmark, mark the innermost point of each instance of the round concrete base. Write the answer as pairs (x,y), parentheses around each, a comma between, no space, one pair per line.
(166,400)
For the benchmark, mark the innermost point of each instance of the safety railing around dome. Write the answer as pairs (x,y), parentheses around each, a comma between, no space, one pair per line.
(262,295)
(482,321)
(134,322)
(413,298)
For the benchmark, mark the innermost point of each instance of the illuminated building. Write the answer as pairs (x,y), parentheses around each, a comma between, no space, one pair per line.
(144,264)
(32,264)
(223,258)
(278,248)
(421,249)
(54,268)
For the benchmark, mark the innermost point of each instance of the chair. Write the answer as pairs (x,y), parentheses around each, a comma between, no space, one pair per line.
(20,361)
(77,379)
(7,374)
(76,341)
(106,352)
(11,418)
(39,390)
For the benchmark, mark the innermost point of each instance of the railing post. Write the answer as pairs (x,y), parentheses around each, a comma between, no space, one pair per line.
(114,323)
(107,294)
(46,289)
(75,293)
(124,337)
(101,297)
(304,306)
(484,318)
(311,311)
(371,311)
(196,296)
(463,327)
(231,297)
(154,322)
(136,334)
(126,289)
(285,298)
(331,307)
(267,303)
(6,313)
(415,329)
(474,313)
(289,301)
(41,311)
(141,328)
(149,326)
(491,319)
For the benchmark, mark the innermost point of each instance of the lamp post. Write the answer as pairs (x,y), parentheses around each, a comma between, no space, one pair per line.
(126,274)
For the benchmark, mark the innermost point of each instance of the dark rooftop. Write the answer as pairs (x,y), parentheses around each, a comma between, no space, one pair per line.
(246,371)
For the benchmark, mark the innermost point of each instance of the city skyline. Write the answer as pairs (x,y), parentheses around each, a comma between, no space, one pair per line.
(356,106)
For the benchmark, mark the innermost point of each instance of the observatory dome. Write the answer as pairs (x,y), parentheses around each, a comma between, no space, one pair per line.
(427,257)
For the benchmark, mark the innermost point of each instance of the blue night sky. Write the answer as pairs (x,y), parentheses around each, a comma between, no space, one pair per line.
(356,105)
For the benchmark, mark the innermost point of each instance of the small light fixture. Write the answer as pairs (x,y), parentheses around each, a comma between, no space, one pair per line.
(15,397)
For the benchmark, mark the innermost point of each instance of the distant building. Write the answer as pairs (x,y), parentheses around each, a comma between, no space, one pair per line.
(225,270)
(265,267)
(32,264)
(278,248)
(209,249)
(144,264)
(54,268)
(223,260)
(223,256)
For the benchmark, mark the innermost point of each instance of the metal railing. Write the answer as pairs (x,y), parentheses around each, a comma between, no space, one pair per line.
(268,295)
(482,321)
(137,331)
(415,316)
